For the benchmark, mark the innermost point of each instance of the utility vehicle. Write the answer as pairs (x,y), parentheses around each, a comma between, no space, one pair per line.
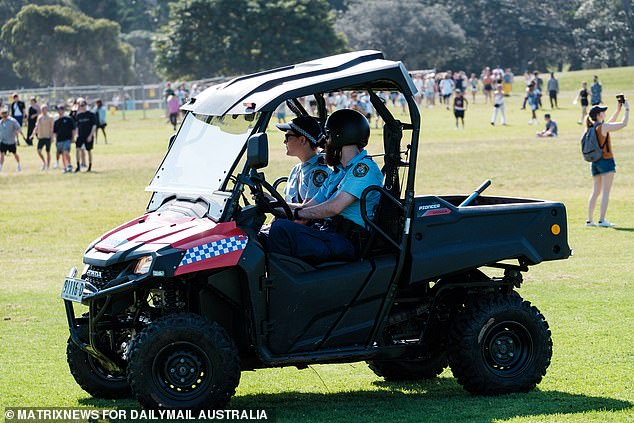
(183,298)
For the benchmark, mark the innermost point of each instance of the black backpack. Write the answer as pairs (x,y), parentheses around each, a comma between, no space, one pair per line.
(590,148)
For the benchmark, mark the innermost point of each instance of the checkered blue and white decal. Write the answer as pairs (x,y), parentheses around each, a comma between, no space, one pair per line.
(214,249)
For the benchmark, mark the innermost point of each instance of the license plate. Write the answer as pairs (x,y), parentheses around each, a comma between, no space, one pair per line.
(73,289)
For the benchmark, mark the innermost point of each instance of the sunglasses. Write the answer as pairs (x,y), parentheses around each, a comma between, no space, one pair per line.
(288,136)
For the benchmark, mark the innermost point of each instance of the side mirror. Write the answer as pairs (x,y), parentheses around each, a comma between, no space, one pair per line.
(258,151)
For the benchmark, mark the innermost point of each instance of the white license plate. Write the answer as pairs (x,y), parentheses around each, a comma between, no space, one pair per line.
(73,289)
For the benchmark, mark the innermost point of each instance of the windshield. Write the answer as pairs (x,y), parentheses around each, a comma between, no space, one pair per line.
(202,155)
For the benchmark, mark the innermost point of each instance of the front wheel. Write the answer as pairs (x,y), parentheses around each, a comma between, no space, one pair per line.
(499,344)
(92,377)
(183,361)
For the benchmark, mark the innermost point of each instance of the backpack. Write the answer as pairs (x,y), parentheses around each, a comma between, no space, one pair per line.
(590,148)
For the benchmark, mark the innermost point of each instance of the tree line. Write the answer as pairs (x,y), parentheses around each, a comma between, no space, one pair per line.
(68,42)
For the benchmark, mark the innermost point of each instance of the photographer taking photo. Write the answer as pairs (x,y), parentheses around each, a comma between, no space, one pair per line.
(603,169)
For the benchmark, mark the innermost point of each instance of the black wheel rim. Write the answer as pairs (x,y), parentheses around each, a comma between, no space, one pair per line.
(507,348)
(182,370)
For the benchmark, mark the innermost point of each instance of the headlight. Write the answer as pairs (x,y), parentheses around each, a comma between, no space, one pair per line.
(143,265)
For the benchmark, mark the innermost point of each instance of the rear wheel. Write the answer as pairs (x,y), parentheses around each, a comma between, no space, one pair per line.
(414,369)
(183,361)
(499,344)
(93,378)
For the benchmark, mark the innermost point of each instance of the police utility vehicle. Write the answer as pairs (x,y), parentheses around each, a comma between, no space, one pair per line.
(183,298)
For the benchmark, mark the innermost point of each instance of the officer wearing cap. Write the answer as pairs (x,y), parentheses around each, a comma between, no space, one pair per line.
(337,201)
(303,134)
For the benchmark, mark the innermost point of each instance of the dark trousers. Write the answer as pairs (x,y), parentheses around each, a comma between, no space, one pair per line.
(553,98)
(309,244)
(29,131)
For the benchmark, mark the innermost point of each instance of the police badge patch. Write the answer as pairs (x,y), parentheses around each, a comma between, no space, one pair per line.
(360,170)
(319,177)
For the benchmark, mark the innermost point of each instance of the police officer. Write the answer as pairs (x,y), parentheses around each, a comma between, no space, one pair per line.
(302,137)
(337,201)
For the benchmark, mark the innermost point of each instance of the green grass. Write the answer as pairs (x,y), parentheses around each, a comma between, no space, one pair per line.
(47,219)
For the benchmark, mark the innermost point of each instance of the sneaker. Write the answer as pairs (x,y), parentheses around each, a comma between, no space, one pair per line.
(530,122)
(56,165)
(19,168)
(492,124)
(579,122)
(77,169)
(43,167)
(590,223)
(605,224)
(83,165)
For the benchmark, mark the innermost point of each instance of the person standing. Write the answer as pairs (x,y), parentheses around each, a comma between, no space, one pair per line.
(487,85)
(532,98)
(173,106)
(603,169)
(44,131)
(539,83)
(553,90)
(64,133)
(430,96)
(596,90)
(100,114)
(31,119)
(459,107)
(86,128)
(446,88)
(508,82)
(9,131)
(18,109)
(473,85)
(582,95)
(498,105)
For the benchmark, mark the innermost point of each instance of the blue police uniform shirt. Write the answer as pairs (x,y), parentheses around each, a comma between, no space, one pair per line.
(306,179)
(360,173)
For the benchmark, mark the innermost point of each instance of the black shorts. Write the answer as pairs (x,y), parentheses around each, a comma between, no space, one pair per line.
(458,113)
(84,143)
(44,142)
(8,148)
(552,93)
(584,103)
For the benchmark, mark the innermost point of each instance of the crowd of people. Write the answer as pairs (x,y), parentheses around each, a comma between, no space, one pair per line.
(75,124)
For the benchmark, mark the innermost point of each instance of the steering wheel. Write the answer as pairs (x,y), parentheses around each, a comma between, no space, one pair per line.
(272,206)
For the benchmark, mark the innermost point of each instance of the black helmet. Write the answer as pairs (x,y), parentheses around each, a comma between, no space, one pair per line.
(347,127)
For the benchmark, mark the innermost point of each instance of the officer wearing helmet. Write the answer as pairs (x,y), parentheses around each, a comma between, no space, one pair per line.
(337,202)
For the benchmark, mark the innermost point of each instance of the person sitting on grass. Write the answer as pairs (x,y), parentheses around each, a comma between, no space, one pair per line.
(551,128)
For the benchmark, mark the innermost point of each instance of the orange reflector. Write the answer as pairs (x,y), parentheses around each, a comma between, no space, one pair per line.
(555,229)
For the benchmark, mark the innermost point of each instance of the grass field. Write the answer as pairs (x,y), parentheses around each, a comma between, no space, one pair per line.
(48,218)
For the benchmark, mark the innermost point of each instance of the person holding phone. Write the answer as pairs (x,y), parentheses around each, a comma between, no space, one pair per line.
(603,170)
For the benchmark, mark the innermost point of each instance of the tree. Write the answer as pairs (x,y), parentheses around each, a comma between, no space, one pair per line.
(70,48)
(522,34)
(225,37)
(603,33)
(422,36)
(141,42)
